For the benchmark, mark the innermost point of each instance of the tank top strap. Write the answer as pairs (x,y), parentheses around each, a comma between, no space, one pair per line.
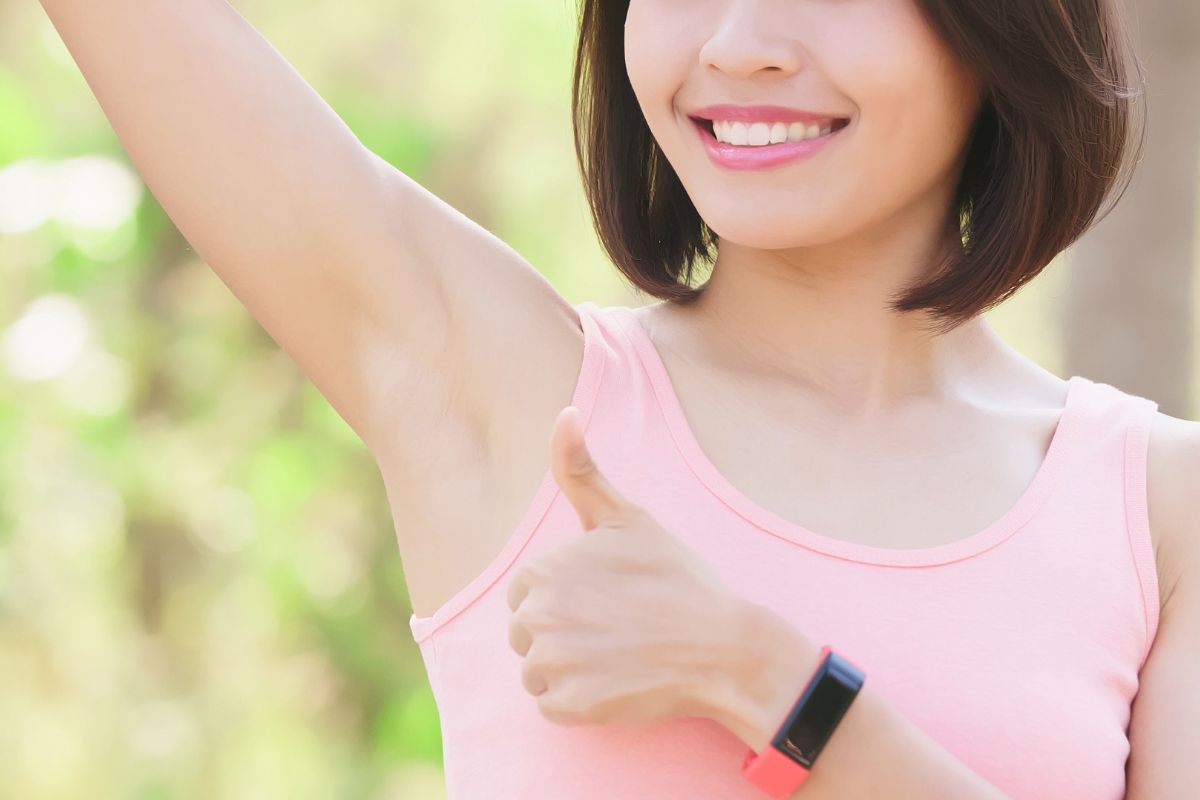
(624,425)
(607,361)
(1109,472)
(618,408)
(1142,411)
(611,386)
(1111,421)
(1136,417)
(1111,412)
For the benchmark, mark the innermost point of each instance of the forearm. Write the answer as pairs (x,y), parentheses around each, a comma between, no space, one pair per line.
(874,752)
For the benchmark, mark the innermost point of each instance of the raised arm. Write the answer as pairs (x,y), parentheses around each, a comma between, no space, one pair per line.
(352,267)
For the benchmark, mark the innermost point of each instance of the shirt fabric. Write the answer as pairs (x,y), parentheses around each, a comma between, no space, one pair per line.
(1017,648)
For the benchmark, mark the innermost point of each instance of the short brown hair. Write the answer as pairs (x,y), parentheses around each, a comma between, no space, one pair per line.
(1048,146)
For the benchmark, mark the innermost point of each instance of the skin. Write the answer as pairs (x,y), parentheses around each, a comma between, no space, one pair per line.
(810,251)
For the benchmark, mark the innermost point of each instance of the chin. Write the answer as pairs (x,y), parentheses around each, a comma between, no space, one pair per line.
(776,232)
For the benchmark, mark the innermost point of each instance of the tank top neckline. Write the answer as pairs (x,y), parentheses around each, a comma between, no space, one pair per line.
(992,535)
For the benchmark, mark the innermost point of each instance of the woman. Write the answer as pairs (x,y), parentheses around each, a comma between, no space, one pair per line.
(825,444)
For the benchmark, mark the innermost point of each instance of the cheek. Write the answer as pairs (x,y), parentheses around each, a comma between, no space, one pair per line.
(639,43)
(650,62)
(916,103)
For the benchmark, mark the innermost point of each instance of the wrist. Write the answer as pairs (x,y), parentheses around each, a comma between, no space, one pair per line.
(774,665)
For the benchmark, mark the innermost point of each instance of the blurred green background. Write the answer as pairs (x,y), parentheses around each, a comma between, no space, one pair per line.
(200,591)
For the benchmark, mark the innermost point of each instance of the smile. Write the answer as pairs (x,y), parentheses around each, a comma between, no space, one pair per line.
(762,156)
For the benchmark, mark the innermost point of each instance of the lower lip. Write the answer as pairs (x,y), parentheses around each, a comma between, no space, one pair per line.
(732,156)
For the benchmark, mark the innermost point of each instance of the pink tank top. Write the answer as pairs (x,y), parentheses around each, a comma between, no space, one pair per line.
(1017,648)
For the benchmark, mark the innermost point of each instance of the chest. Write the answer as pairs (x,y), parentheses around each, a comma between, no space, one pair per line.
(947,476)
(927,483)
(919,480)
(900,502)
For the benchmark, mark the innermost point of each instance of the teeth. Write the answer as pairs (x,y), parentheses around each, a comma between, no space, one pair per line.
(762,133)
(759,134)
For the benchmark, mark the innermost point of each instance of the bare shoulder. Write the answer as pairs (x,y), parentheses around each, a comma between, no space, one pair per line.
(1173,500)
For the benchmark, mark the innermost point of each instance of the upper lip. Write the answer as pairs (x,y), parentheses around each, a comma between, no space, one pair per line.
(726,111)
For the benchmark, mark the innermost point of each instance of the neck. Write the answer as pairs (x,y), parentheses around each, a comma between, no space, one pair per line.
(817,320)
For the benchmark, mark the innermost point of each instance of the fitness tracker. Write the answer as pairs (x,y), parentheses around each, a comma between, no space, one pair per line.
(785,763)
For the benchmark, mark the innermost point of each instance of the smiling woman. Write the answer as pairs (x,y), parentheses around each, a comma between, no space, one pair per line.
(812,522)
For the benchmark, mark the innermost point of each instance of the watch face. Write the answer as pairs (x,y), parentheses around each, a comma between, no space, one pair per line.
(819,709)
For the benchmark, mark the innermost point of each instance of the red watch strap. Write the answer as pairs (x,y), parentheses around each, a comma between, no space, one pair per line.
(773,772)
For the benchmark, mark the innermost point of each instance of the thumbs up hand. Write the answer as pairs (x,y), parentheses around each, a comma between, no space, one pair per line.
(625,623)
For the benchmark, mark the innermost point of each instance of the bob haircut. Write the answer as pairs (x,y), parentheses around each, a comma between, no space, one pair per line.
(1047,147)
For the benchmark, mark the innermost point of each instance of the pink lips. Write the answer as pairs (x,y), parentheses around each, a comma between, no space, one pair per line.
(741,157)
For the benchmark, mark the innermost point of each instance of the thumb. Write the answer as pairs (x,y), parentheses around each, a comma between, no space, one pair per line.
(594,498)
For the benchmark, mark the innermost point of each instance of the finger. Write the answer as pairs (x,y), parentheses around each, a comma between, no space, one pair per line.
(518,588)
(595,500)
(519,637)
(533,677)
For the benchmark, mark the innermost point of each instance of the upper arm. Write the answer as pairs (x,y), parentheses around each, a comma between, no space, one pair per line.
(262,178)
(378,290)
(1165,723)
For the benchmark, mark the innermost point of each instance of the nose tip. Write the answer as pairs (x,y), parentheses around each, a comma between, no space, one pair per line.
(739,51)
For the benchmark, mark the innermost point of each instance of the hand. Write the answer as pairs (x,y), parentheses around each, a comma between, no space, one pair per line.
(625,623)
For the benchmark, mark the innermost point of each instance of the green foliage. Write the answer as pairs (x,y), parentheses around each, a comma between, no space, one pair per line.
(200,590)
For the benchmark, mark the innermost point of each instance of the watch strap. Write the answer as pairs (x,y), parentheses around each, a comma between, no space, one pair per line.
(785,763)
(775,773)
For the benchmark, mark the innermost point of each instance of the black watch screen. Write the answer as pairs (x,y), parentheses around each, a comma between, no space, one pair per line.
(816,714)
